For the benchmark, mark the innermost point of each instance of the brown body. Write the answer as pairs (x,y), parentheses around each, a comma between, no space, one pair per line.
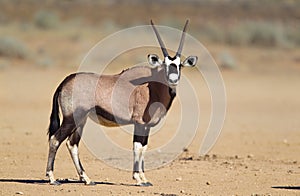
(139,96)
(104,99)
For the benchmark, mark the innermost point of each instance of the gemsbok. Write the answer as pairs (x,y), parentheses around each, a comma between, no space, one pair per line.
(141,96)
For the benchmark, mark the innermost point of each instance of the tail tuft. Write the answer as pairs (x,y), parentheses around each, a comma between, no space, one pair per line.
(54,118)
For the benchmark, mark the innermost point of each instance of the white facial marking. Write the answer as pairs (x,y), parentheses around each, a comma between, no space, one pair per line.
(173,77)
(176,61)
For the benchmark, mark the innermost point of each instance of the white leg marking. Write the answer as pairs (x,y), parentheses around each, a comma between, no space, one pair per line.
(138,165)
(53,141)
(75,157)
(143,178)
(74,154)
(137,148)
(136,176)
(51,176)
(141,171)
(87,180)
(53,144)
(52,179)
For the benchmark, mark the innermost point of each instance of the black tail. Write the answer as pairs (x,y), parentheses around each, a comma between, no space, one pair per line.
(54,118)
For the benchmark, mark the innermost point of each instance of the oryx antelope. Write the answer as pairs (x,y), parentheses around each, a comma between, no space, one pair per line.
(140,96)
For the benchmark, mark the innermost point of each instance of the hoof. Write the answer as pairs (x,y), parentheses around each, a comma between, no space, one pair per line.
(55,183)
(147,184)
(91,183)
(144,184)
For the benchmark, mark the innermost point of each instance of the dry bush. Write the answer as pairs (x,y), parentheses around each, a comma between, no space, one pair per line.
(46,19)
(252,33)
(267,34)
(293,35)
(212,32)
(13,48)
(227,61)
(258,34)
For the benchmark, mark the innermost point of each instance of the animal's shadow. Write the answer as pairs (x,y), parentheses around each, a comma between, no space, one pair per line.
(287,187)
(63,181)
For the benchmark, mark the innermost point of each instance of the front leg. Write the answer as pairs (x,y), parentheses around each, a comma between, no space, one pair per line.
(140,141)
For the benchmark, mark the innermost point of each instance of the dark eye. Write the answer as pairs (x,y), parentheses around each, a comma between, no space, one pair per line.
(191,61)
(154,58)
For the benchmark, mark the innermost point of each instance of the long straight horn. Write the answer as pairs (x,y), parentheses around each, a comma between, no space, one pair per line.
(182,39)
(161,43)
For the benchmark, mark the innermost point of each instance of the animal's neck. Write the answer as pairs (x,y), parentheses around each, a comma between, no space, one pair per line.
(162,93)
(166,93)
(172,93)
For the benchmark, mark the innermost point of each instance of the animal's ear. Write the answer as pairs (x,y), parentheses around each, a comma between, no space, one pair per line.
(190,61)
(154,60)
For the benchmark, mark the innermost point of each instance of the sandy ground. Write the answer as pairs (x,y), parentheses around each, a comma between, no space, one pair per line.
(256,154)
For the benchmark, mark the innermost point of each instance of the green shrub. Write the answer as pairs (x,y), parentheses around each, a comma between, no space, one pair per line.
(258,34)
(46,19)
(212,32)
(293,35)
(267,34)
(238,35)
(227,61)
(44,62)
(171,22)
(13,48)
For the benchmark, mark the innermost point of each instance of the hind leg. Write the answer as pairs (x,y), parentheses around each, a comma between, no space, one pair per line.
(72,144)
(61,134)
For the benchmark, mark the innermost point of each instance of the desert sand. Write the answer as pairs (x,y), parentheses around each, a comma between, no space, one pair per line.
(257,152)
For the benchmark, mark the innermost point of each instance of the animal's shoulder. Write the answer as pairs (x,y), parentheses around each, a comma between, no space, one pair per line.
(137,75)
(137,70)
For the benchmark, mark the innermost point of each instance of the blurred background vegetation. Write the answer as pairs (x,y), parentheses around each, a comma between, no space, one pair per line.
(27,27)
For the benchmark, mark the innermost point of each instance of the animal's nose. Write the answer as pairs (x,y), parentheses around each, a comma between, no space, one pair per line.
(173,78)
